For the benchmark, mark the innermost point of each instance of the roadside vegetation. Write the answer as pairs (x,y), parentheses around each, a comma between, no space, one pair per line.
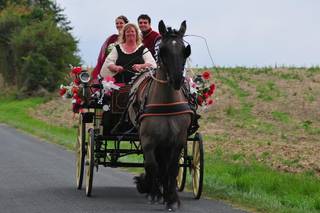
(261,136)
(16,113)
(36,46)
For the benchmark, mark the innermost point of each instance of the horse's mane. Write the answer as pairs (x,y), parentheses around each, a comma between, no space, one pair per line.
(171,33)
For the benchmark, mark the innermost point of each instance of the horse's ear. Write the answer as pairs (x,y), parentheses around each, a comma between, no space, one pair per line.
(162,28)
(187,51)
(183,28)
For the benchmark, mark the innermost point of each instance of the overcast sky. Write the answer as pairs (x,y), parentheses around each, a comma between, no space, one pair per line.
(238,32)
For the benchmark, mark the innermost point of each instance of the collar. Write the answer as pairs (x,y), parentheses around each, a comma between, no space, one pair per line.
(122,49)
(145,34)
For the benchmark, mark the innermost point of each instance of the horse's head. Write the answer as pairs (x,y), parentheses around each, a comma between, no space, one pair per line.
(173,53)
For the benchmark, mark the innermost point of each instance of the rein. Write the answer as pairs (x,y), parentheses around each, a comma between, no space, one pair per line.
(158,80)
(127,64)
(207,46)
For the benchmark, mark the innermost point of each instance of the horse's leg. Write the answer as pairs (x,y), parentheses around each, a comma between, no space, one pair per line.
(172,194)
(162,159)
(151,168)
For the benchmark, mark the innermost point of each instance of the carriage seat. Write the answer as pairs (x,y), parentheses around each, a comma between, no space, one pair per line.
(118,105)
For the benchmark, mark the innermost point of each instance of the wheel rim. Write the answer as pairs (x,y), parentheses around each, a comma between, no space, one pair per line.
(181,170)
(89,163)
(197,166)
(181,178)
(80,153)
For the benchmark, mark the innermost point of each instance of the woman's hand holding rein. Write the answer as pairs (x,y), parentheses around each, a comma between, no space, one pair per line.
(116,68)
(140,67)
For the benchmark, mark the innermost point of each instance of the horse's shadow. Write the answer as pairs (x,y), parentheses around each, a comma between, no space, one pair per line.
(115,193)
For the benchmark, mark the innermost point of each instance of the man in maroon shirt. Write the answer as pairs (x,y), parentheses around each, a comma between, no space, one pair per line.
(149,36)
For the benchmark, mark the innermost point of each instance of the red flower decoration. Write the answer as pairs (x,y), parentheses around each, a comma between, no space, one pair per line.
(212,87)
(76,81)
(199,100)
(206,75)
(203,88)
(75,90)
(210,101)
(109,78)
(72,90)
(76,70)
(78,100)
(62,91)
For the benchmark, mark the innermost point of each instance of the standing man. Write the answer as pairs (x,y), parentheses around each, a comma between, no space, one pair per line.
(149,36)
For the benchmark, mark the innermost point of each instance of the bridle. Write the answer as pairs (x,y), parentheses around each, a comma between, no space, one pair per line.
(158,80)
(173,34)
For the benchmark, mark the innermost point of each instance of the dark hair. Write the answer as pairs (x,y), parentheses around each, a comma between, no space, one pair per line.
(125,19)
(144,16)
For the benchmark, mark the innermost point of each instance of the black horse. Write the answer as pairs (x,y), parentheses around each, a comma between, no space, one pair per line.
(163,126)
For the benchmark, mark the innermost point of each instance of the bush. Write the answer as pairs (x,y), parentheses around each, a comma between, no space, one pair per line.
(44,52)
(36,46)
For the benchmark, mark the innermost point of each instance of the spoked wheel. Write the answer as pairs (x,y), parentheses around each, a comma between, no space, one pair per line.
(197,166)
(182,174)
(80,151)
(90,163)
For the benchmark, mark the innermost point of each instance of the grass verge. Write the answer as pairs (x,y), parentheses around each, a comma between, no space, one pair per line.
(260,187)
(15,113)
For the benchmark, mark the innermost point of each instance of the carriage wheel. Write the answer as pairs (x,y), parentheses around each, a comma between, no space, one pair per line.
(80,152)
(182,173)
(90,163)
(197,166)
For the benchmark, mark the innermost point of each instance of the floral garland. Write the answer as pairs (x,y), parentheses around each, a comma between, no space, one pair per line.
(202,89)
(71,91)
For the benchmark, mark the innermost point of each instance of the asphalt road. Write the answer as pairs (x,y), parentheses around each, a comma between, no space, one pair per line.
(36,176)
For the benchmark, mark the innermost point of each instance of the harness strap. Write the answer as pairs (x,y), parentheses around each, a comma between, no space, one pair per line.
(176,108)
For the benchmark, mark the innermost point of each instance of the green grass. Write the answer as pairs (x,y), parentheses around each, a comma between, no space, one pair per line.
(308,127)
(267,91)
(243,118)
(281,116)
(15,113)
(236,89)
(290,76)
(260,187)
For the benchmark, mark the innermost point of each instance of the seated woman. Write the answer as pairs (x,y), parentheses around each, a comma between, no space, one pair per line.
(128,56)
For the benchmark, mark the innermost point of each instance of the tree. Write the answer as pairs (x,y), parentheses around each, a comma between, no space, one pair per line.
(49,49)
(10,24)
(36,46)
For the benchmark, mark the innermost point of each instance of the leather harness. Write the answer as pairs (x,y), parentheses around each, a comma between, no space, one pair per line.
(157,109)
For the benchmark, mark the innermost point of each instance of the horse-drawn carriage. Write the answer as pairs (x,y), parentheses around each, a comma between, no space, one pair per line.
(155,136)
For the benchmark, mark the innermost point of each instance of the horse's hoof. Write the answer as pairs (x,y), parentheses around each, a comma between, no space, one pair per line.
(170,208)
